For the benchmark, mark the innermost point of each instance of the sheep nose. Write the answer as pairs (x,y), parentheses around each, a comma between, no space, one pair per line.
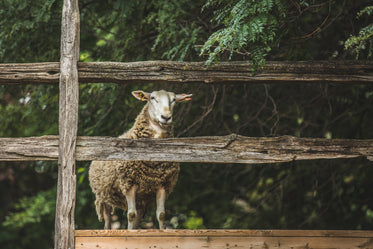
(166,118)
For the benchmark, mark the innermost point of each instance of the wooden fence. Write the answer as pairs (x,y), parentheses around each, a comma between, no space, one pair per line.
(68,148)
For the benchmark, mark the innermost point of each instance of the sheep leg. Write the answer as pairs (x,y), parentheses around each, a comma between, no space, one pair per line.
(161,215)
(107,216)
(131,206)
(139,216)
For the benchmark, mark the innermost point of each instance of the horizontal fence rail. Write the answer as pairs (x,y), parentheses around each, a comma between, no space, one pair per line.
(357,72)
(227,239)
(226,149)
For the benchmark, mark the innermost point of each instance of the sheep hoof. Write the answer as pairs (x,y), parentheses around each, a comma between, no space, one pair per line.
(162,217)
(131,216)
(107,226)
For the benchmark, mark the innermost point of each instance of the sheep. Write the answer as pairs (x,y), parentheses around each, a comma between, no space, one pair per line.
(134,185)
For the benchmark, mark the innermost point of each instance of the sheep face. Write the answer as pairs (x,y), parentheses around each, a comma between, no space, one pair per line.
(161,105)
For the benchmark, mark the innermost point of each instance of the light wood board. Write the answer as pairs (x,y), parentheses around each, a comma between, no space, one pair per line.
(222,239)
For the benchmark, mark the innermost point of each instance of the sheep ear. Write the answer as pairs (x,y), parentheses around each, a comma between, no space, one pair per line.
(141,95)
(183,97)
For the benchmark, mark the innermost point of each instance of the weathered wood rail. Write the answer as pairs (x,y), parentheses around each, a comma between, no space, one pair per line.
(226,149)
(223,239)
(355,72)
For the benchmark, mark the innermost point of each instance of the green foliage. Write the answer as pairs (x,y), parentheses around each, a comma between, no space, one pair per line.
(24,24)
(146,30)
(21,106)
(23,226)
(194,222)
(367,10)
(31,210)
(176,27)
(364,40)
(249,26)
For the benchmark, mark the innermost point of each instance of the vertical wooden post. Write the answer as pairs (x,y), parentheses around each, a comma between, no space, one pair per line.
(68,125)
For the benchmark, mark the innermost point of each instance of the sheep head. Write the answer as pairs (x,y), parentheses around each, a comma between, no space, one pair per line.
(161,105)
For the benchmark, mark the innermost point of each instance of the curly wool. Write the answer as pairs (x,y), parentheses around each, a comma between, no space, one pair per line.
(109,180)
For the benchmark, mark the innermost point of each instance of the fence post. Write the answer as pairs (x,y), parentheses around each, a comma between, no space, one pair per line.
(68,125)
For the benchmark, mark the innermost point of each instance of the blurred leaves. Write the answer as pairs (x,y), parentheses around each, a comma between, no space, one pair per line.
(32,209)
(22,105)
(194,222)
(364,40)
(249,26)
(21,17)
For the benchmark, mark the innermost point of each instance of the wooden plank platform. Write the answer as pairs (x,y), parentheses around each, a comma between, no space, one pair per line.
(222,239)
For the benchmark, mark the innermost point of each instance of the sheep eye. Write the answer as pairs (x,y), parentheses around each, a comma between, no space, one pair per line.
(153,98)
(173,100)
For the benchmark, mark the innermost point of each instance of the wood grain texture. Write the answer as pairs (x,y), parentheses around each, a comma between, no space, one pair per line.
(30,73)
(226,149)
(190,239)
(68,125)
(226,72)
(357,72)
(29,148)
